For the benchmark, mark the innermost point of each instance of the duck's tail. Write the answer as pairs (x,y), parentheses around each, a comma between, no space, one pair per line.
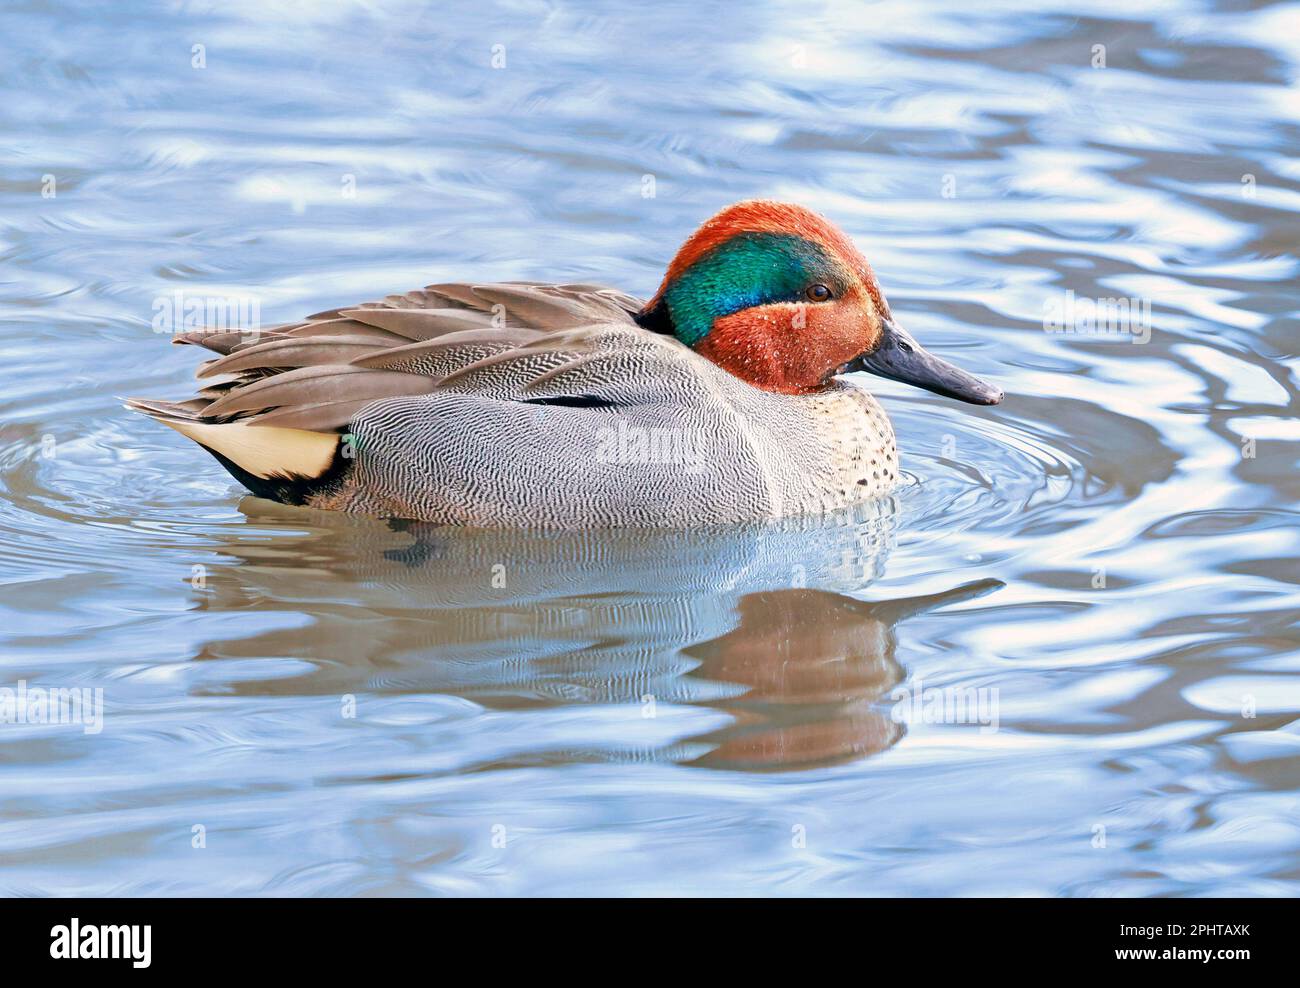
(282,464)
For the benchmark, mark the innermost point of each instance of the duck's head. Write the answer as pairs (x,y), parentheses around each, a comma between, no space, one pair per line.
(781,298)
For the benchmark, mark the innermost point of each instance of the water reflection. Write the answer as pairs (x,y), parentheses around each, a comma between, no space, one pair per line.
(815,666)
(635,619)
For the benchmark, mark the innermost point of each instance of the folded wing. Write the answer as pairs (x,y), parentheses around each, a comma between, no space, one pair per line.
(274,402)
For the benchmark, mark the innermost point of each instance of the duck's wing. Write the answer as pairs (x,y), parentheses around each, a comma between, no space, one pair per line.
(274,401)
(315,374)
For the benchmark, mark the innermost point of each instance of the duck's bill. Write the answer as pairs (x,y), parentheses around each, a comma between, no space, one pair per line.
(900,358)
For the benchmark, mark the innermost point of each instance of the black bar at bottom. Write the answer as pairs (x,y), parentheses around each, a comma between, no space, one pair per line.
(334,936)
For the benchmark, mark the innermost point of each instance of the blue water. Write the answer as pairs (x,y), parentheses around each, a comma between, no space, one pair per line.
(299,703)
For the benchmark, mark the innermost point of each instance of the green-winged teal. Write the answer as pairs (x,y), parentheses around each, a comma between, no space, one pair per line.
(522,404)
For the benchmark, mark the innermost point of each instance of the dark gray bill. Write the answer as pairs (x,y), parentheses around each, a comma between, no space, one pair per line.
(900,358)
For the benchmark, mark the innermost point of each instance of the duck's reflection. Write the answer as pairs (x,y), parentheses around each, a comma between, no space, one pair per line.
(518,621)
(815,666)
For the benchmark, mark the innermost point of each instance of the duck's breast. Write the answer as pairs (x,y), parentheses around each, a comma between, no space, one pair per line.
(824,451)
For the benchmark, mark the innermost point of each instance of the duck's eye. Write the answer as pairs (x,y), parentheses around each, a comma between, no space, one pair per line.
(818,293)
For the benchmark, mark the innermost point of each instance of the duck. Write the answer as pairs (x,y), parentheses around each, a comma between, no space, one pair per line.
(722,399)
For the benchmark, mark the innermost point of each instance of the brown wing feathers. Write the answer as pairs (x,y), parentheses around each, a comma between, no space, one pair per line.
(316,374)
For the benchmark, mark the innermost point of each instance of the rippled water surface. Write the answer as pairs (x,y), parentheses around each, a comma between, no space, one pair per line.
(303,703)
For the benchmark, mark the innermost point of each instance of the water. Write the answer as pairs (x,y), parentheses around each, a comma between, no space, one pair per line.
(1105,564)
